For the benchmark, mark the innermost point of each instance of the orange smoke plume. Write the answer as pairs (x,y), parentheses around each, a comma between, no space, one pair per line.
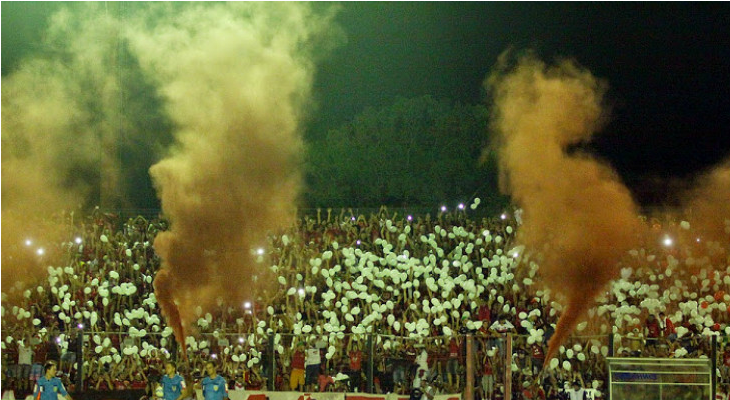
(577,216)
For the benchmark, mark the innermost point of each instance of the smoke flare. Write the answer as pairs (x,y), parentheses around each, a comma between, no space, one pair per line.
(236,77)
(708,205)
(57,114)
(577,214)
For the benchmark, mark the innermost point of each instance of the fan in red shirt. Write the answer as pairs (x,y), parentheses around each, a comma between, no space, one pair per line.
(538,357)
(488,378)
(652,332)
(355,368)
(296,379)
(324,381)
(452,365)
(485,314)
(667,326)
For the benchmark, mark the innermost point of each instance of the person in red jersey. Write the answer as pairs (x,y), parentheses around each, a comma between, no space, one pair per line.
(538,357)
(296,379)
(652,332)
(452,365)
(355,373)
(667,326)
(488,378)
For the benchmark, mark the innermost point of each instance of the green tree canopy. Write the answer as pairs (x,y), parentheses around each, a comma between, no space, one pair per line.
(416,152)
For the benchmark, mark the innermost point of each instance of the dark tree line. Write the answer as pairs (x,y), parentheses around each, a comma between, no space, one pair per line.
(416,152)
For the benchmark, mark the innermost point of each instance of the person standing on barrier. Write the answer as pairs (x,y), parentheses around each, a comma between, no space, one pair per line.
(313,364)
(487,378)
(68,358)
(355,370)
(452,364)
(296,379)
(667,326)
(502,326)
(49,386)
(173,385)
(537,357)
(214,386)
(652,331)
(25,360)
(399,373)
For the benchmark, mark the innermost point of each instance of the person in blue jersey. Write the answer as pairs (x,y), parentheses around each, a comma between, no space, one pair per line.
(48,386)
(172,383)
(214,386)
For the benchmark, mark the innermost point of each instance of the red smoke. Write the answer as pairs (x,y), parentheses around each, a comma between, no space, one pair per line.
(577,215)
(708,205)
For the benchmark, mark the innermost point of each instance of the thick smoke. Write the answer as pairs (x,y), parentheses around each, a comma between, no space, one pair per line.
(577,214)
(59,111)
(235,77)
(708,205)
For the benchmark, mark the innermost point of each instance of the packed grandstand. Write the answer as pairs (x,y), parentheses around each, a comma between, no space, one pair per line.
(411,286)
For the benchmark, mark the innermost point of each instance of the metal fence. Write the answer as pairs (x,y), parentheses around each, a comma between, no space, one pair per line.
(470,362)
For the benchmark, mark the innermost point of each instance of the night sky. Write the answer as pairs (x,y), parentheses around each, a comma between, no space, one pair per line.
(667,66)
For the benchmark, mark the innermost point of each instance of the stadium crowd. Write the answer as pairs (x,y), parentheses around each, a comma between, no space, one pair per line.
(413,284)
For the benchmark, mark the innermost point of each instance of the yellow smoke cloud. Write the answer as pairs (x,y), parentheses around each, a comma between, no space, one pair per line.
(236,78)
